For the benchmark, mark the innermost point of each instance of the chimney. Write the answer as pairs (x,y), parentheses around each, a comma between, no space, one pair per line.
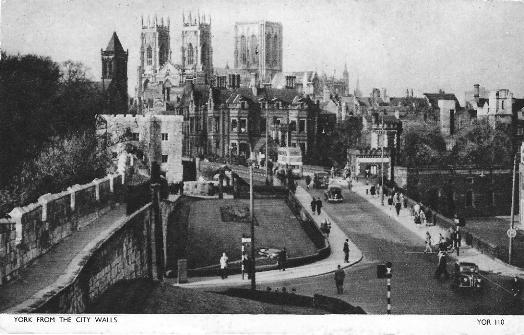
(476,92)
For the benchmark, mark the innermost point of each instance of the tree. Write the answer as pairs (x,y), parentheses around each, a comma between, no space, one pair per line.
(484,146)
(423,145)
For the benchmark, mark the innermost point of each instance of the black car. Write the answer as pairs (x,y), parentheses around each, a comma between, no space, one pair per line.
(466,276)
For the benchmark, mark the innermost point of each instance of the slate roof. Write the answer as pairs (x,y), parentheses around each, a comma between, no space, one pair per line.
(114,44)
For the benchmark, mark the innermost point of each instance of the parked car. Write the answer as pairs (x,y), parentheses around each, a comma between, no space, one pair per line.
(466,276)
(320,180)
(333,193)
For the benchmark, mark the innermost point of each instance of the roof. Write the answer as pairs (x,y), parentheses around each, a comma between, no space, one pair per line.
(435,97)
(518,104)
(114,44)
(482,102)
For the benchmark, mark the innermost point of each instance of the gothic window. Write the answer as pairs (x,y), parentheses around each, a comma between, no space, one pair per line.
(268,48)
(203,53)
(190,54)
(254,49)
(243,49)
(162,55)
(149,56)
(275,50)
(109,69)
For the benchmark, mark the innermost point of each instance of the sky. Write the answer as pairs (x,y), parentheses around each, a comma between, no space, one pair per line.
(421,45)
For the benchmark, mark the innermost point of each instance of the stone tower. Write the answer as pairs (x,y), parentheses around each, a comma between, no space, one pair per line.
(114,76)
(258,48)
(345,77)
(196,50)
(154,46)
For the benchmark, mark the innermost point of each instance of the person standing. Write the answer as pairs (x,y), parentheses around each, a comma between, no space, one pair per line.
(223,266)
(397,202)
(313,205)
(282,259)
(372,190)
(346,251)
(442,266)
(339,279)
(319,206)
(404,200)
(308,181)
(246,261)
(390,201)
(428,243)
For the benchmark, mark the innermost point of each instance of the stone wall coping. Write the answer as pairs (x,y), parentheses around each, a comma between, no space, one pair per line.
(19,211)
(74,268)
(6,221)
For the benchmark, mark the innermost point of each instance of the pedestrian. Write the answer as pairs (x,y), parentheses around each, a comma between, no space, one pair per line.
(313,205)
(397,202)
(282,259)
(428,243)
(456,219)
(319,206)
(416,218)
(390,201)
(422,217)
(339,279)
(428,213)
(441,243)
(308,181)
(223,266)
(346,251)
(404,200)
(372,190)
(442,266)
(416,208)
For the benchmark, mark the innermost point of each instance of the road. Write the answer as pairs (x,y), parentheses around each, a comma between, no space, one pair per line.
(414,290)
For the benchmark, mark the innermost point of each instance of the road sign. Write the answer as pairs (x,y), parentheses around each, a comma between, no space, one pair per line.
(246,239)
(512,232)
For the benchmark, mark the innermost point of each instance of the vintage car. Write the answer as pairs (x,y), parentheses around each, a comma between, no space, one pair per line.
(320,180)
(466,276)
(333,193)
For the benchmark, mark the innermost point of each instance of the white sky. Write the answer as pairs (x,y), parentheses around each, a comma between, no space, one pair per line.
(424,45)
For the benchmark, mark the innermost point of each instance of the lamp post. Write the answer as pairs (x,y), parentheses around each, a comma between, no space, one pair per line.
(382,163)
(252,220)
(267,141)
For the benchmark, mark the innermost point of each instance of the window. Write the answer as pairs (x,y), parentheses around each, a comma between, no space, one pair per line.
(234,124)
(243,125)
(469,199)
(135,137)
(254,49)
(216,127)
(243,105)
(294,145)
(293,126)
(301,126)
(149,56)
(165,137)
(470,180)
(302,147)
(243,49)
(492,198)
(164,158)
(275,50)
(192,124)
(190,54)
(234,149)
(520,131)
(502,105)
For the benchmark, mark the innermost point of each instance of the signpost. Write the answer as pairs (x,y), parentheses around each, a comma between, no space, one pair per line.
(512,232)
(384,271)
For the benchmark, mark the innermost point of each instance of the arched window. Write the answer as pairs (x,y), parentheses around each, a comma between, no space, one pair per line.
(275,50)
(254,49)
(190,55)
(149,56)
(162,54)
(268,48)
(109,68)
(243,49)
(203,54)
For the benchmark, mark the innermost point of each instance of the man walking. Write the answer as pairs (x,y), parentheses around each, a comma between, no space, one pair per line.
(346,251)
(313,205)
(397,202)
(339,279)
(319,206)
(442,266)
(428,243)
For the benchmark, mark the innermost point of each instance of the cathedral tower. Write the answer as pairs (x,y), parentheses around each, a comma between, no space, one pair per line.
(154,45)
(114,76)
(258,48)
(197,51)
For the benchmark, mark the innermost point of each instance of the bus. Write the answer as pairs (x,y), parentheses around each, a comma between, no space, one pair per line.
(290,157)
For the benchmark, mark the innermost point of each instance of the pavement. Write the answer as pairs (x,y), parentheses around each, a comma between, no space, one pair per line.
(467,253)
(47,269)
(324,266)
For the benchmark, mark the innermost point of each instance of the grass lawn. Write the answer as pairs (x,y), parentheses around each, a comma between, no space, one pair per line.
(209,236)
(147,297)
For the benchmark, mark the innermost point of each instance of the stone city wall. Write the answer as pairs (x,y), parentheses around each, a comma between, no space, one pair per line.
(33,229)
(123,252)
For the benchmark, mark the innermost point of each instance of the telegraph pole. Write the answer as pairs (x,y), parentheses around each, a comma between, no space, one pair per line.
(382,163)
(252,220)
(511,227)
(267,141)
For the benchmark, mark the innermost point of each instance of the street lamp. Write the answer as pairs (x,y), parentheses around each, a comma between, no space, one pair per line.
(382,163)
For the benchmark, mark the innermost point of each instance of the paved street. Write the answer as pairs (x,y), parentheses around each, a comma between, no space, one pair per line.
(414,290)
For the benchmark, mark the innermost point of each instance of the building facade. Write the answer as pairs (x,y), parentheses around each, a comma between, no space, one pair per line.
(258,48)
(197,50)
(158,138)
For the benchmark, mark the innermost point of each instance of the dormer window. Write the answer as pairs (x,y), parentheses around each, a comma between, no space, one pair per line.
(243,105)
